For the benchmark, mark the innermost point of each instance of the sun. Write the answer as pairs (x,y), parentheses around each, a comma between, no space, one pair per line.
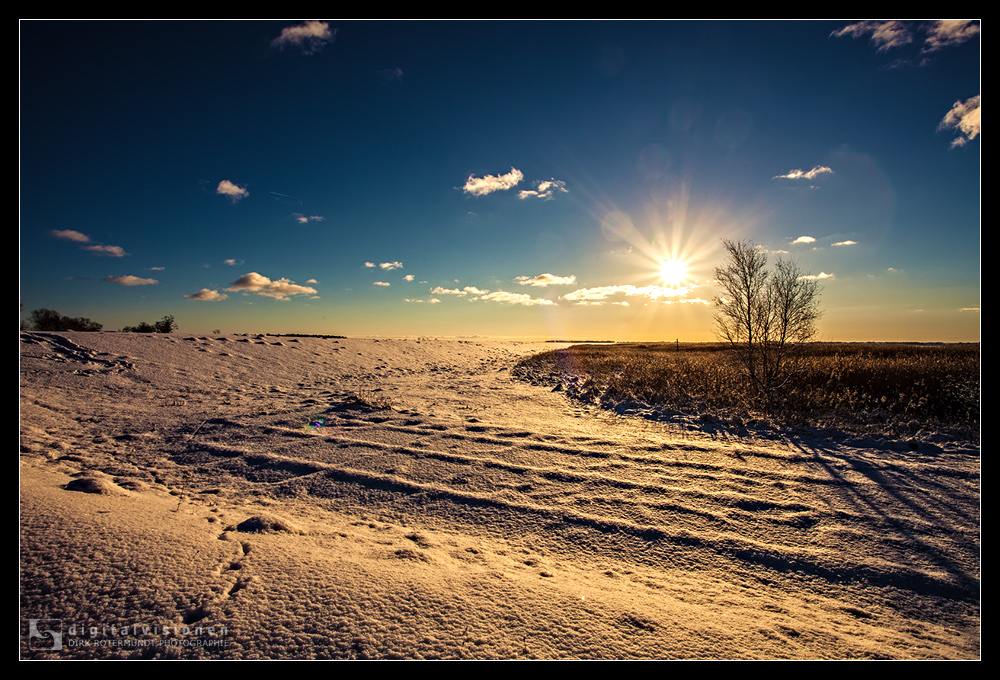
(673,271)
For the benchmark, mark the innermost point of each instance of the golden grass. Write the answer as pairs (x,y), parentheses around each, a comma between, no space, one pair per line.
(894,389)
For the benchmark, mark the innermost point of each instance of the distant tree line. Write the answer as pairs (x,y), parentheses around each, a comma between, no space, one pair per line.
(302,335)
(51,320)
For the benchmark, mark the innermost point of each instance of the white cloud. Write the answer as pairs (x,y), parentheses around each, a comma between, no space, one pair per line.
(70,235)
(309,37)
(846,243)
(207,295)
(946,33)
(546,280)
(381,283)
(514,299)
(804,239)
(816,277)
(389,266)
(933,35)
(110,251)
(805,174)
(884,34)
(431,301)
(480,186)
(964,118)
(232,191)
(157,269)
(231,262)
(497,296)
(261,285)
(369,265)
(601,294)
(545,189)
(130,280)
(306,219)
(409,277)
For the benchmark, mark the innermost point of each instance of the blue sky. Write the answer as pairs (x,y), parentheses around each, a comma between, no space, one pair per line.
(540,179)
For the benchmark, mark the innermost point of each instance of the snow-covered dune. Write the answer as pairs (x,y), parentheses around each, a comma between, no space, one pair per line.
(277,497)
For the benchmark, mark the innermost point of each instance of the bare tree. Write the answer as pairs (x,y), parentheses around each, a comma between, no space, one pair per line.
(765,316)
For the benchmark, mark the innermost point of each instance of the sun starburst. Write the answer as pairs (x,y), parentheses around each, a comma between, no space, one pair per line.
(673,271)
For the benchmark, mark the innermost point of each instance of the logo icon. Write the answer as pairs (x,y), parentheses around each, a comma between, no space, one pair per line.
(45,634)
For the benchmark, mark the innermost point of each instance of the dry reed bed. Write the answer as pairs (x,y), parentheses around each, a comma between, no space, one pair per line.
(893,390)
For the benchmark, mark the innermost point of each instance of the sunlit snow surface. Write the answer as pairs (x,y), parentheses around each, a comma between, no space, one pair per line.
(247,500)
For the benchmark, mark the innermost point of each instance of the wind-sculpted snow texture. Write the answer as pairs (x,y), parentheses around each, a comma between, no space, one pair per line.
(409,499)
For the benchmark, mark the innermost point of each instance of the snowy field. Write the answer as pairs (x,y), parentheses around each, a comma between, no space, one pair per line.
(251,497)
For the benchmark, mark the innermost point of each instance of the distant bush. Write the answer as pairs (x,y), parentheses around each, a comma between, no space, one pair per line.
(164,325)
(51,320)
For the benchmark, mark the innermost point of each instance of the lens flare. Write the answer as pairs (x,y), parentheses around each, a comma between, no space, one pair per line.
(315,423)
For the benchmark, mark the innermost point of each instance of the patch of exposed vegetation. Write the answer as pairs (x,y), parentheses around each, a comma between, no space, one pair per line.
(369,399)
(885,389)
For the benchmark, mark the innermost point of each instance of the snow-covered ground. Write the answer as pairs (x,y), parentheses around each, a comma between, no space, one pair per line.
(252,497)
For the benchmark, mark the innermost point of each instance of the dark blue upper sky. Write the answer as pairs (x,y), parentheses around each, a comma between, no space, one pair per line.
(499,177)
